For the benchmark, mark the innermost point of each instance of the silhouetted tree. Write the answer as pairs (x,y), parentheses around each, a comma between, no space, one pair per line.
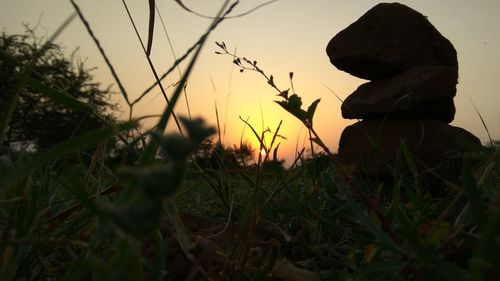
(273,166)
(37,120)
(244,153)
(216,156)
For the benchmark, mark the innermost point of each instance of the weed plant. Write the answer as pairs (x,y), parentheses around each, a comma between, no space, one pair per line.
(116,217)
(397,230)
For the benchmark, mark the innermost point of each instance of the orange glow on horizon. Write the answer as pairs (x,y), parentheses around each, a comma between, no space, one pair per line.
(294,40)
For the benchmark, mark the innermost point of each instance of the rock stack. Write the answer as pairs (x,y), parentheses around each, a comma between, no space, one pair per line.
(409,101)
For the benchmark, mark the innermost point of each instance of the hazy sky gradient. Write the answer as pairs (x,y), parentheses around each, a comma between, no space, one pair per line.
(286,36)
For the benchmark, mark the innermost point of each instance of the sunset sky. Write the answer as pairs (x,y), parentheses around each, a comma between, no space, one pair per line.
(285,36)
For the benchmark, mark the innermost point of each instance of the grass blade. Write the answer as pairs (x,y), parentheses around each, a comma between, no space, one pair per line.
(82,141)
(151,149)
(482,121)
(484,254)
(101,50)
(473,194)
(151,26)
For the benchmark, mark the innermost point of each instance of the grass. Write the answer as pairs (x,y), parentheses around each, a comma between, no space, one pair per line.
(70,214)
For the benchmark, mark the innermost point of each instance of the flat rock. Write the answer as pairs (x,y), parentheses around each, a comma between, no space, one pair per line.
(373,145)
(387,40)
(421,92)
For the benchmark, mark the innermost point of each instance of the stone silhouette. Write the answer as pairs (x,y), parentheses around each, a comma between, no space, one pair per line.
(374,144)
(389,39)
(407,105)
(424,92)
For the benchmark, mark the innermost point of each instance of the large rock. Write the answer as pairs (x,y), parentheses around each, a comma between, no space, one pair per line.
(421,92)
(387,40)
(373,145)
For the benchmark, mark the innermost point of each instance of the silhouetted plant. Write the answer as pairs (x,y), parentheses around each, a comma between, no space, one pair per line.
(400,232)
(38,121)
(290,102)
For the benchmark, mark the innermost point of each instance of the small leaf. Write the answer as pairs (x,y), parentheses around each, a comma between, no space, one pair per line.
(275,152)
(219,44)
(271,81)
(292,105)
(284,94)
(291,75)
(311,110)
(295,101)
(241,70)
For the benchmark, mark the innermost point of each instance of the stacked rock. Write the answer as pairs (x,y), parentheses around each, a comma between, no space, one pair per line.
(409,101)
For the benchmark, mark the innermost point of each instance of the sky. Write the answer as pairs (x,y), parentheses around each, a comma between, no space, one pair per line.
(284,36)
